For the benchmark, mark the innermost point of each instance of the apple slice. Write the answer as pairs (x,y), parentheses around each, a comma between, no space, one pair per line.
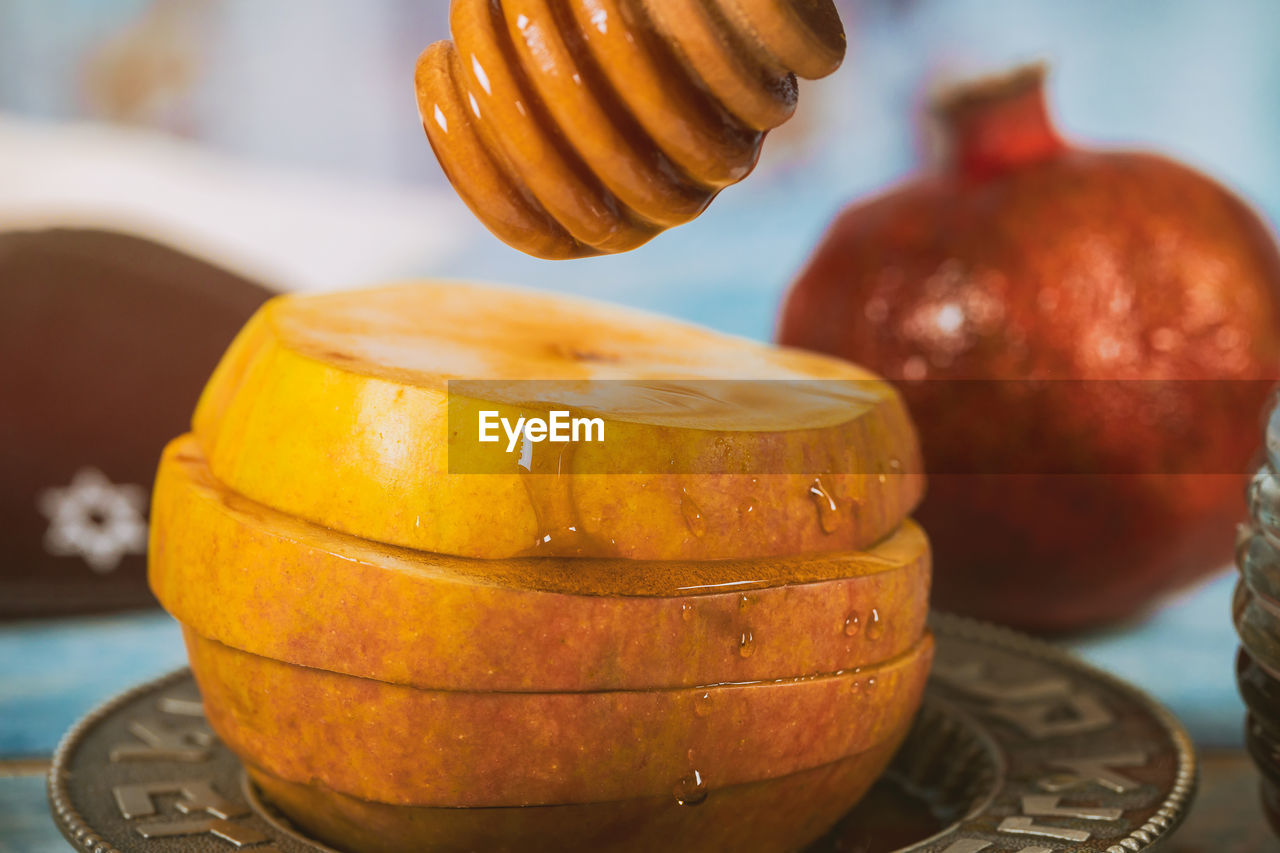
(336,409)
(404,746)
(263,582)
(780,814)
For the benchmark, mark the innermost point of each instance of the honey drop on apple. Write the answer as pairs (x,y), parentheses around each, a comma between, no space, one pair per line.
(549,487)
(691,790)
(828,510)
(852,625)
(875,627)
(686,611)
(692,515)
(747,645)
(702,706)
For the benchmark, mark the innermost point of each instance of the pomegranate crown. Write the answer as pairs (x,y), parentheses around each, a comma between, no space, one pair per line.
(997,123)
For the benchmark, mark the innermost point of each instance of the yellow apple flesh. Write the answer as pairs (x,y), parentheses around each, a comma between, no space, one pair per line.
(335,409)
(406,746)
(262,582)
(779,814)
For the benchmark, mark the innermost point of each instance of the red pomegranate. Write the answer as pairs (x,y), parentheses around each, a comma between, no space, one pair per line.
(1021,262)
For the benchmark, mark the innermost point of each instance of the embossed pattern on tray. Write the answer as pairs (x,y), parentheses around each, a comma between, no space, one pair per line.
(1017,744)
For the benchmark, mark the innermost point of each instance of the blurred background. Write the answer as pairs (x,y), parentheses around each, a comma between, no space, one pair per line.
(280,139)
(103,101)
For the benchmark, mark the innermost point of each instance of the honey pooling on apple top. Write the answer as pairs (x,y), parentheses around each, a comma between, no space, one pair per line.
(584,127)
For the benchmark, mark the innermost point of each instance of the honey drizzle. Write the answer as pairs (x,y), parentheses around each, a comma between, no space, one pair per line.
(559,528)
(576,129)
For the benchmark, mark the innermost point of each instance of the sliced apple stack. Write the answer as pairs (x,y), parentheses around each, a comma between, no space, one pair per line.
(658,639)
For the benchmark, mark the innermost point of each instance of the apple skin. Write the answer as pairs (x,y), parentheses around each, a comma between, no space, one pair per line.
(404,746)
(257,580)
(1024,258)
(780,814)
(316,391)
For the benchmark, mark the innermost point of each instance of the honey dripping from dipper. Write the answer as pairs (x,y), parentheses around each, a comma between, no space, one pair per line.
(585,127)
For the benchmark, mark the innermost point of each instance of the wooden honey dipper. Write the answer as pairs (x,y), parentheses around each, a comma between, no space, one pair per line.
(584,127)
